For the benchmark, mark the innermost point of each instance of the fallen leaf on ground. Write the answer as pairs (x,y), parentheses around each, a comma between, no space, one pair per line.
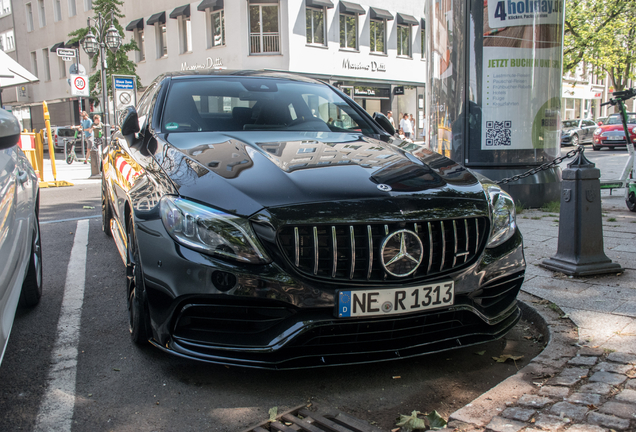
(435,421)
(480,352)
(273,412)
(411,423)
(89,207)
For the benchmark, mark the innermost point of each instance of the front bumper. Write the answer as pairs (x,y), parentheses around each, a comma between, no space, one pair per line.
(277,319)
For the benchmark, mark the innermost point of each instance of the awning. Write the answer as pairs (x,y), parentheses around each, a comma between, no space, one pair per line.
(210,4)
(56,46)
(351,8)
(135,24)
(377,13)
(423,23)
(70,44)
(180,11)
(12,73)
(406,19)
(319,3)
(157,18)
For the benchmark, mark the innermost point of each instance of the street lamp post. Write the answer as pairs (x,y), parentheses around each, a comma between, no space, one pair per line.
(107,36)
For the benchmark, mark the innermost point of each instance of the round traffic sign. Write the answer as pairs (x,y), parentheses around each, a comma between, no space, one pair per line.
(79,83)
(124,98)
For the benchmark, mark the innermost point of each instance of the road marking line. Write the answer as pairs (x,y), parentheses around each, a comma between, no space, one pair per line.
(56,410)
(70,219)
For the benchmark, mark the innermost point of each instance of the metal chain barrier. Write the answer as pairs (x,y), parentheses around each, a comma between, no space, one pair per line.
(543,167)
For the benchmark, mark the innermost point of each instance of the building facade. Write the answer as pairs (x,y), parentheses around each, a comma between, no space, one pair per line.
(374,50)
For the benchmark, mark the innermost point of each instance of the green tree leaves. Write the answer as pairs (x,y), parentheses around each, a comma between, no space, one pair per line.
(601,33)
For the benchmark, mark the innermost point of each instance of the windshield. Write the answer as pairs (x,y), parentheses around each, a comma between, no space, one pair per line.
(229,104)
(570,123)
(616,119)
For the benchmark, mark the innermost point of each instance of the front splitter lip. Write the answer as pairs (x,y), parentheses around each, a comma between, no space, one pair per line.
(340,359)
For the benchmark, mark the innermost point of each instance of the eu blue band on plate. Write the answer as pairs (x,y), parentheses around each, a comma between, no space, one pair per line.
(344,304)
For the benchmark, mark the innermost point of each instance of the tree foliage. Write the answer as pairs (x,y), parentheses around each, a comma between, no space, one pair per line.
(118,63)
(601,33)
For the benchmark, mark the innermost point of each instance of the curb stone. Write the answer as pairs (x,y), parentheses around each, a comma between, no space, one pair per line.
(566,388)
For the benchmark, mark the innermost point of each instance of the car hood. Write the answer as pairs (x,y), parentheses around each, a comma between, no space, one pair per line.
(568,129)
(243,172)
(615,127)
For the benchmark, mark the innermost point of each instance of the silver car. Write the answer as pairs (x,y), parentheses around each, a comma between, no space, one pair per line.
(20,245)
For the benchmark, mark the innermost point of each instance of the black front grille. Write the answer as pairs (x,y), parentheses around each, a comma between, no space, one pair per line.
(352,252)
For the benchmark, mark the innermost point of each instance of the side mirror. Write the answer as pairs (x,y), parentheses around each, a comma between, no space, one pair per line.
(130,124)
(600,123)
(384,123)
(9,130)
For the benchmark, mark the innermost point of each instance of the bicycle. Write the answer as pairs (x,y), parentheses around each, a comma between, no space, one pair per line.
(629,184)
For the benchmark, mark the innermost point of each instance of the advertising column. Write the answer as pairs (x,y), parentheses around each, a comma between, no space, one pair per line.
(495,89)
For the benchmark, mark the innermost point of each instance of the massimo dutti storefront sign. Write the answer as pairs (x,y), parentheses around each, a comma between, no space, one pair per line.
(370,66)
(210,63)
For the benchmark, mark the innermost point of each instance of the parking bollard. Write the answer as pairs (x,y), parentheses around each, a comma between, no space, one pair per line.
(580,250)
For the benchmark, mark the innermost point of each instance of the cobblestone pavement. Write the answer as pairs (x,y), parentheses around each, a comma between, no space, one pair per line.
(582,382)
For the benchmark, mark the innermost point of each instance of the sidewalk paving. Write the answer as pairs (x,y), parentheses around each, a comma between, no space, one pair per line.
(76,173)
(585,383)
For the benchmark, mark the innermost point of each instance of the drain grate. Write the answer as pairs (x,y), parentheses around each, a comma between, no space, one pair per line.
(301,419)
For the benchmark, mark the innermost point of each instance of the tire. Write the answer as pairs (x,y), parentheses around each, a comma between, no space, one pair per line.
(138,317)
(575,140)
(631,201)
(596,148)
(32,285)
(107,214)
(69,159)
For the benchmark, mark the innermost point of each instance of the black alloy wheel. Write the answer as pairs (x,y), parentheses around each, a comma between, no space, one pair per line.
(631,201)
(107,214)
(32,285)
(138,319)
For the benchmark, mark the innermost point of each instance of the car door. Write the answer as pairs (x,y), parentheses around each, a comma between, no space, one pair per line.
(12,239)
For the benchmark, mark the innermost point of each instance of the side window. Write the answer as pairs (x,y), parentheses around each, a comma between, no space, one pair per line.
(146,100)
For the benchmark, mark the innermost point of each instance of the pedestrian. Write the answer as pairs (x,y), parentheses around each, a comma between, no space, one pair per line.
(389,115)
(87,127)
(412,124)
(97,129)
(405,125)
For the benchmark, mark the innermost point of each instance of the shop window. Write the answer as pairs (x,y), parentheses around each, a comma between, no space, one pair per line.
(57,10)
(41,13)
(140,38)
(62,67)
(47,65)
(349,31)
(29,16)
(88,5)
(404,40)
(5,7)
(160,36)
(315,26)
(185,34)
(264,32)
(72,9)
(378,36)
(34,63)
(217,30)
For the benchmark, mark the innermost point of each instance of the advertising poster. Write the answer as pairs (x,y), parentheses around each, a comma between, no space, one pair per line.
(522,75)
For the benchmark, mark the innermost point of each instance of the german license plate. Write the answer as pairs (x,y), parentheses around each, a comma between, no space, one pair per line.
(615,138)
(394,301)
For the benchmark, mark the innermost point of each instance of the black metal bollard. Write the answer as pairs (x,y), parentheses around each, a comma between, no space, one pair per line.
(580,251)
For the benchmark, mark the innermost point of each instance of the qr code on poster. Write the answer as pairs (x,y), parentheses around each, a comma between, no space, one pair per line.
(498,133)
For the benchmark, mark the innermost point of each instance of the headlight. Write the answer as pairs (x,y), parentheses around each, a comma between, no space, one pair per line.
(634,130)
(210,231)
(504,215)
(597,131)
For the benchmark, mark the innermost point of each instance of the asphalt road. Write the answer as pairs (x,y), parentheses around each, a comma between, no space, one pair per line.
(115,385)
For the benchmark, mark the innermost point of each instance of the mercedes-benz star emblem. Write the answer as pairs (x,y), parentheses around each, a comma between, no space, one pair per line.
(384,188)
(401,253)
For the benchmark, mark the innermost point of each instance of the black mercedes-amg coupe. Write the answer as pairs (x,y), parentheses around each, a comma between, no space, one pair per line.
(266,220)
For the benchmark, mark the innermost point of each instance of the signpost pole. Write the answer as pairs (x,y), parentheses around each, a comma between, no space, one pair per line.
(102,58)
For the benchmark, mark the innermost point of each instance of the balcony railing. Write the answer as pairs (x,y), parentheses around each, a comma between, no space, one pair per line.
(264,43)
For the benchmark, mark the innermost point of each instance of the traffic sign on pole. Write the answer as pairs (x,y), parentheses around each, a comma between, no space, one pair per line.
(65,52)
(79,85)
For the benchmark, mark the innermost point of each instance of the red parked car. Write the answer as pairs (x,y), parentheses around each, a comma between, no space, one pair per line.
(611,133)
